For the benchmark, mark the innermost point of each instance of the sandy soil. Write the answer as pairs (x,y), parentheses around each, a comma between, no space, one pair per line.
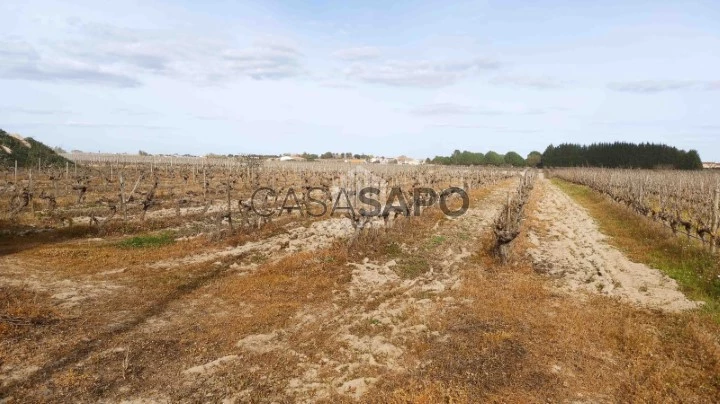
(298,238)
(400,307)
(573,251)
(395,310)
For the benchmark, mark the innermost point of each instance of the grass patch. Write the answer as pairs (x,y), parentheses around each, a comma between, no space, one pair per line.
(148,241)
(437,240)
(696,270)
(411,267)
(392,249)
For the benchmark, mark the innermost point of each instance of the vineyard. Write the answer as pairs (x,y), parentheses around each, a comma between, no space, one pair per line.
(221,191)
(183,279)
(683,201)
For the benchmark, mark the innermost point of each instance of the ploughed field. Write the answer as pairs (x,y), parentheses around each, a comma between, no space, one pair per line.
(251,282)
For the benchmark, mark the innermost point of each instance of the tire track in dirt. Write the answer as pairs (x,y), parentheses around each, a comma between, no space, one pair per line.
(298,238)
(84,348)
(69,293)
(575,252)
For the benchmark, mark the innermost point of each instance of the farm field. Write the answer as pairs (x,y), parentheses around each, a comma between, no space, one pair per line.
(164,282)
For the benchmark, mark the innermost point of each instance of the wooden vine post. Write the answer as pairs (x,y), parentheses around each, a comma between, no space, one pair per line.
(30,189)
(123,206)
(714,222)
(204,185)
(229,204)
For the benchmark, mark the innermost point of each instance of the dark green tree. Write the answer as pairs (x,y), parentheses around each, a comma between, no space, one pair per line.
(514,159)
(621,155)
(493,158)
(533,159)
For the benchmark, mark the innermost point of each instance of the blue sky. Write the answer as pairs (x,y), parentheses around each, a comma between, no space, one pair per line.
(384,78)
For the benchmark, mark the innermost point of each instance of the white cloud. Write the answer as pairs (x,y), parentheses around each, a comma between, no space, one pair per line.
(504,129)
(658,86)
(32,111)
(114,125)
(418,74)
(21,61)
(540,83)
(266,61)
(115,56)
(358,53)
(492,110)
(442,109)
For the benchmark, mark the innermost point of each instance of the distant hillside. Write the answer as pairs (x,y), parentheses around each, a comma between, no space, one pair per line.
(26,151)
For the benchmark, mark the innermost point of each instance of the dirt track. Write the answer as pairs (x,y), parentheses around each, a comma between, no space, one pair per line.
(573,250)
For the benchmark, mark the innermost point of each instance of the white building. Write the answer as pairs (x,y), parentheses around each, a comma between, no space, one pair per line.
(291,158)
(408,161)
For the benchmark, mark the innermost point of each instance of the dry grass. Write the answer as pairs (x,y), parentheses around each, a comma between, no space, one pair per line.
(22,310)
(519,341)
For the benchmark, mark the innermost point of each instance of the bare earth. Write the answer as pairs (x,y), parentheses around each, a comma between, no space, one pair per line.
(346,362)
(573,250)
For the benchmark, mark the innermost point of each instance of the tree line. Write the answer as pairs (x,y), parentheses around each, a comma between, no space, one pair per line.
(610,155)
(491,158)
(621,155)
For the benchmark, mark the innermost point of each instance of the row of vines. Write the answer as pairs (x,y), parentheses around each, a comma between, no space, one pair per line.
(96,194)
(508,223)
(684,201)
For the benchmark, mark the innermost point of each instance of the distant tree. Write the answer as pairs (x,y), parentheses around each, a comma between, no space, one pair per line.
(59,150)
(309,157)
(464,158)
(143,153)
(326,155)
(493,158)
(691,161)
(514,159)
(621,155)
(533,159)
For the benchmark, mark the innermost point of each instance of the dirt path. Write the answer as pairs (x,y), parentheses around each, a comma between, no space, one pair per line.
(571,248)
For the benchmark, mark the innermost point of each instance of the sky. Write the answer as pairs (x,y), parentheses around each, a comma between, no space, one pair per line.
(418,78)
